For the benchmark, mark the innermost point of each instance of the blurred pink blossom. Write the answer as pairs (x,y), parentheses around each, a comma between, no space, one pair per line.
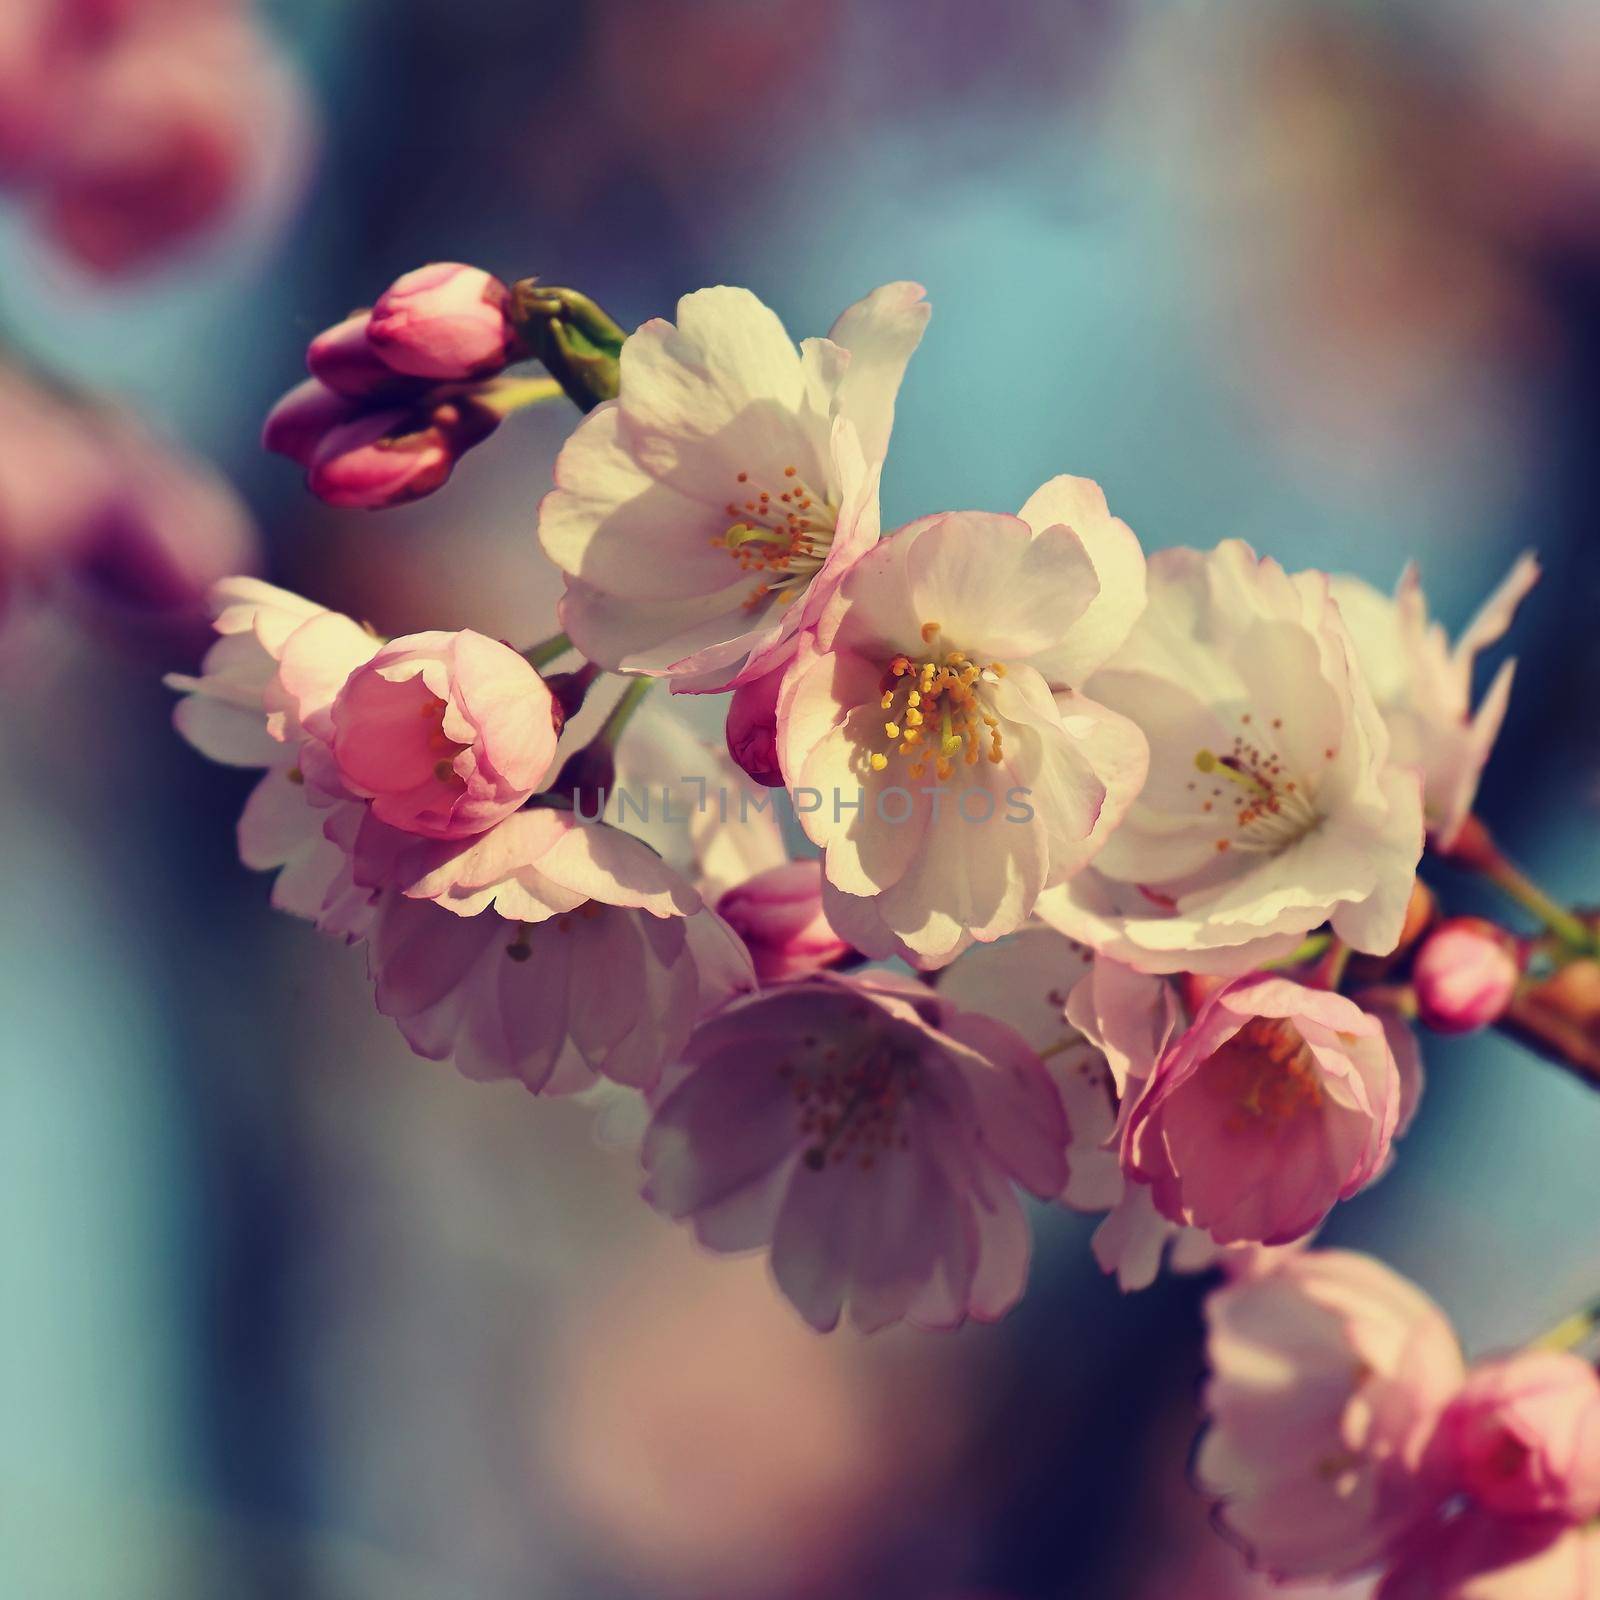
(1465,975)
(1523,1436)
(1328,1378)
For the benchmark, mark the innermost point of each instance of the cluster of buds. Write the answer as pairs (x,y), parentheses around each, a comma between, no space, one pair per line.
(399,393)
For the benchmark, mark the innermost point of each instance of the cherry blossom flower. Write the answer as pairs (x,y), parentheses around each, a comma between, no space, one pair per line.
(1100,1028)
(1328,1378)
(956,769)
(445,733)
(1423,685)
(1271,805)
(704,516)
(550,951)
(1523,1436)
(1465,975)
(263,688)
(1277,1101)
(873,1136)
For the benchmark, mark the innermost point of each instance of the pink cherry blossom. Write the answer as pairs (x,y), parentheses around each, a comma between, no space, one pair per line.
(956,768)
(1465,975)
(778,914)
(99,515)
(1100,1027)
(1328,1377)
(1523,1436)
(1272,805)
(1476,1557)
(1423,685)
(159,128)
(446,322)
(445,733)
(704,516)
(873,1137)
(1277,1101)
(549,951)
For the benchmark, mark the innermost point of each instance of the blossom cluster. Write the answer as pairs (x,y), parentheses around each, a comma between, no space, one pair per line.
(1347,1434)
(1112,898)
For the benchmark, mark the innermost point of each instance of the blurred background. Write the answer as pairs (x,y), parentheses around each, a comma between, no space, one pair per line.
(286,1311)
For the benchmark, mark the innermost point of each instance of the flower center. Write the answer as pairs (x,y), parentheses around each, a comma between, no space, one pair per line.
(440,743)
(782,534)
(936,711)
(851,1111)
(1267,809)
(1266,1073)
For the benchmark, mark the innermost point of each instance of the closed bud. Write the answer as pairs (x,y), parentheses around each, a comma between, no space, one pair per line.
(344,359)
(752,728)
(446,322)
(778,914)
(298,423)
(389,457)
(1465,975)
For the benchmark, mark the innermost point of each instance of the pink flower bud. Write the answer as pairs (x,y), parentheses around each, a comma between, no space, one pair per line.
(298,423)
(445,733)
(1465,975)
(1524,1436)
(343,358)
(445,321)
(392,456)
(778,914)
(752,730)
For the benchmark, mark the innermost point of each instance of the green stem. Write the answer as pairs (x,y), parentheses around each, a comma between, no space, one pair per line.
(1316,945)
(617,718)
(1518,886)
(539,656)
(1572,1331)
(506,395)
(1474,849)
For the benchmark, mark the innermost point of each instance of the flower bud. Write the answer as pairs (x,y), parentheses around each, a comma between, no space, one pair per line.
(778,914)
(298,423)
(1465,975)
(444,321)
(446,733)
(752,729)
(395,455)
(344,359)
(1523,1436)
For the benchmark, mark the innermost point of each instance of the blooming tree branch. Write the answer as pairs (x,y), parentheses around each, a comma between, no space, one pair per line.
(1116,901)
